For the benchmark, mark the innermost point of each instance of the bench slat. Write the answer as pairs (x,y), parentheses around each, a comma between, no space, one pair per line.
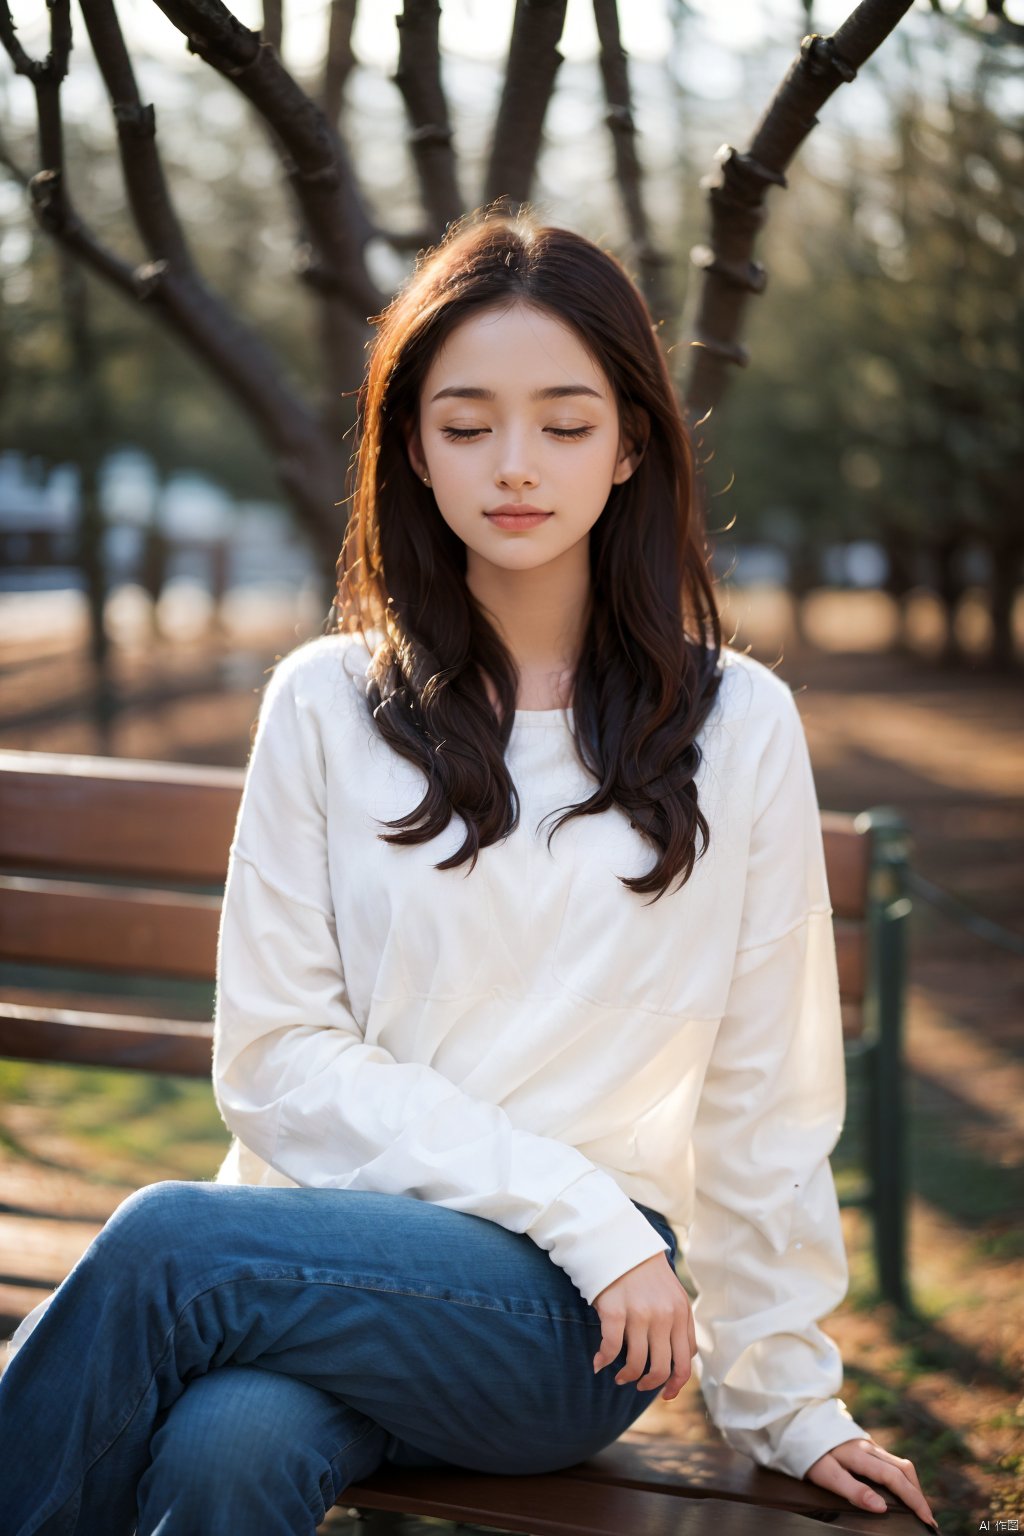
(554,1506)
(174,934)
(182,1010)
(36,1251)
(851,956)
(654,1455)
(108,928)
(175,821)
(847,861)
(570,1504)
(117,816)
(67,1035)
(16,1302)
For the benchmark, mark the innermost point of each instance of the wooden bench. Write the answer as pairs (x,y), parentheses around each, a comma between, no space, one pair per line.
(112,871)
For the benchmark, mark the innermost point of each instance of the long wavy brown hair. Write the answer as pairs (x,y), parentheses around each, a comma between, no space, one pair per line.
(648,670)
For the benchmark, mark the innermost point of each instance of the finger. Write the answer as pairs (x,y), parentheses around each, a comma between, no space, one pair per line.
(836,1477)
(659,1342)
(887,1471)
(637,1329)
(905,1465)
(612,1326)
(682,1361)
(894,1472)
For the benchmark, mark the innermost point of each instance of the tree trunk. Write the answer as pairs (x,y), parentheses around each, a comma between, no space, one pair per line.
(950,587)
(1007,561)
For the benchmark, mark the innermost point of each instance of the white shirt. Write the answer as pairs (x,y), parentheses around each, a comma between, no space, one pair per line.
(532,1042)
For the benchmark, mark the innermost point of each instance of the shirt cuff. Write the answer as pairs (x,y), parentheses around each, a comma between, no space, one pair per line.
(595,1233)
(818,1428)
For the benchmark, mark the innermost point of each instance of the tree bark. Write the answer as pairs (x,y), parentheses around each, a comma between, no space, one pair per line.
(737,189)
(615,77)
(533,63)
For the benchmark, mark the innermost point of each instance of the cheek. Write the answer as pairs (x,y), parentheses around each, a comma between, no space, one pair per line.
(459,477)
(595,460)
(592,478)
(464,516)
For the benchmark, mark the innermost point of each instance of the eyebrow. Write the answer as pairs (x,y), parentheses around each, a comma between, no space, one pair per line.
(552,392)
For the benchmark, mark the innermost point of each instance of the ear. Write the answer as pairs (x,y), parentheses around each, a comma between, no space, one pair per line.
(414,448)
(632,445)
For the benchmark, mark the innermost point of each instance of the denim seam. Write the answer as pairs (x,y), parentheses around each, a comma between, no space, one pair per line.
(312,1504)
(482,1303)
(55,1503)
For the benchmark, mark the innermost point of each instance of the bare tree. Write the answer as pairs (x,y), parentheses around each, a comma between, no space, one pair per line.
(737,190)
(336,223)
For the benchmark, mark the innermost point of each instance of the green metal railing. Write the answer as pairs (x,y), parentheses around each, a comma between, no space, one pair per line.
(892,885)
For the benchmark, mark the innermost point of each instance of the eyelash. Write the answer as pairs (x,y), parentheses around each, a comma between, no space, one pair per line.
(466,433)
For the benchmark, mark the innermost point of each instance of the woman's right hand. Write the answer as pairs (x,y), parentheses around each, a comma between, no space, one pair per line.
(648,1305)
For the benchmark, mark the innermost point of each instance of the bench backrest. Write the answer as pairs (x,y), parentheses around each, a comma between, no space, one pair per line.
(113,868)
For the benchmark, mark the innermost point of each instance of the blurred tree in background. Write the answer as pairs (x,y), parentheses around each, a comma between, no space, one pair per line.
(883,394)
(887,386)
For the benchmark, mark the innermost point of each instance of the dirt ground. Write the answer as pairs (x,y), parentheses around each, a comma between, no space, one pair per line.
(943,746)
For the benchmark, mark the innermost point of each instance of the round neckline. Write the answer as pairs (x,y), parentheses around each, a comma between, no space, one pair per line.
(542,717)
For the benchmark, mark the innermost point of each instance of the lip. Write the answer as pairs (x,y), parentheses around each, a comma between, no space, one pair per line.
(516,509)
(518,522)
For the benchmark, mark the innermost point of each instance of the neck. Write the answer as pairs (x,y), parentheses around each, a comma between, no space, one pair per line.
(541,616)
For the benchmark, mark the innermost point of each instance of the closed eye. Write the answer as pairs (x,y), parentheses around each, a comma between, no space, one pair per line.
(465,433)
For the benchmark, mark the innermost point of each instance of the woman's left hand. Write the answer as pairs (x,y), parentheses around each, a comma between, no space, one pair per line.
(835,1471)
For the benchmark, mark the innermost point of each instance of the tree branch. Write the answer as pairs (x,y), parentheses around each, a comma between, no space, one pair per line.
(533,62)
(141,166)
(738,188)
(628,175)
(339,58)
(169,282)
(316,164)
(273,23)
(418,77)
(51,204)
(309,450)
(55,66)
(236,354)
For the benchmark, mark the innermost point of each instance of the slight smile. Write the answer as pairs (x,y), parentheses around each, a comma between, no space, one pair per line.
(518,515)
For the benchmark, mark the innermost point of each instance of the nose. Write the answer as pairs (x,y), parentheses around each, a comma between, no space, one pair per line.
(513,471)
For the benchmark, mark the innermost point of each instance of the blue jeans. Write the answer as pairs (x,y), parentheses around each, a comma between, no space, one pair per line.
(230,1358)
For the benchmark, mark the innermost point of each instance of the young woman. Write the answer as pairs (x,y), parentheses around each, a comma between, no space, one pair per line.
(479,1071)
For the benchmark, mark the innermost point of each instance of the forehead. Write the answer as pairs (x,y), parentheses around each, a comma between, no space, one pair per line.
(514,351)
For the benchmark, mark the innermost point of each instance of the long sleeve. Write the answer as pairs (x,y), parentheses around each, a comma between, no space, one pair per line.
(297,1083)
(765,1247)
